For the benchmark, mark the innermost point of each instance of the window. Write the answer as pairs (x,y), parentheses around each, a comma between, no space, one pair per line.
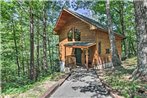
(74,34)
(70,35)
(107,51)
(99,48)
(77,35)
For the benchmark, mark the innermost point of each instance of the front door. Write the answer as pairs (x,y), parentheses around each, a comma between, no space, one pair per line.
(78,53)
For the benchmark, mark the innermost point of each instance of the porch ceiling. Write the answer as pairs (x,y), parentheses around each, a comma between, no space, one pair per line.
(79,44)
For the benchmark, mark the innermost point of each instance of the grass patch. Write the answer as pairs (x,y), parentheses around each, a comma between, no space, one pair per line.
(119,80)
(17,88)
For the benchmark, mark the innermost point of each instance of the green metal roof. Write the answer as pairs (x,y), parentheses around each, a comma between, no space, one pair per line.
(91,21)
(79,43)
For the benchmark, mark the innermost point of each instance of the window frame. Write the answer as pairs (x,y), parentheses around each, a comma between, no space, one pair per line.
(99,47)
(108,51)
(73,31)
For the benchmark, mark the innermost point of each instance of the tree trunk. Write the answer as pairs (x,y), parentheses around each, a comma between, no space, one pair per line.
(115,58)
(44,39)
(38,49)
(22,44)
(132,51)
(16,49)
(141,33)
(49,50)
(123,27)
(133,47)
(32,68)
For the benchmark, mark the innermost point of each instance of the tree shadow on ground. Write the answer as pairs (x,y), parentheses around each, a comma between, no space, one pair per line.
(93,84)
(94,88)
(80,75)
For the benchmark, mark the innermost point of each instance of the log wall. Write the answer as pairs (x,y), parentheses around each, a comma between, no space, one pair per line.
(103,37)
(86,35)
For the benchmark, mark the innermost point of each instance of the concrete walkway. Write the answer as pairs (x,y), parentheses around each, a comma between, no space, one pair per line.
(81,84)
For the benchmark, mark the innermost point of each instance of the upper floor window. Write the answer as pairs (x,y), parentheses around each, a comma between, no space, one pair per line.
(77,35)
(70,35)
(74,35)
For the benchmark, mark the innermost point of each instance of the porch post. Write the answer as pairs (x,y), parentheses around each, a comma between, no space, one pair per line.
(65,56)
(87,58)
(83,57)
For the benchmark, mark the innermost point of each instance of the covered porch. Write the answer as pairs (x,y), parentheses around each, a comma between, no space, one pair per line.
(84,48)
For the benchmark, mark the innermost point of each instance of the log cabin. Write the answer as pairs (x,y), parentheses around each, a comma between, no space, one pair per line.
(83,41)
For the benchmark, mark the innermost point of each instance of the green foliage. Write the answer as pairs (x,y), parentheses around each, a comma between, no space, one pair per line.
(15,19)
(100,7)
(119,81)
(121,12)
(126,88)
(26,84)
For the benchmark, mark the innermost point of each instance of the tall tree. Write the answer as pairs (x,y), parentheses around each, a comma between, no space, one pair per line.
(24,40)
(32,66)
(38,49)
(141,33)
(122,25)
(122,13)
(16,48)
(22,43)
(45,65)
(115,58)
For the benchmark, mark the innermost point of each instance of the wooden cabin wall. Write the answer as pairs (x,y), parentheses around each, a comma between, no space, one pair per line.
(86,35)
(118,45)
(93,55)
(103,37)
